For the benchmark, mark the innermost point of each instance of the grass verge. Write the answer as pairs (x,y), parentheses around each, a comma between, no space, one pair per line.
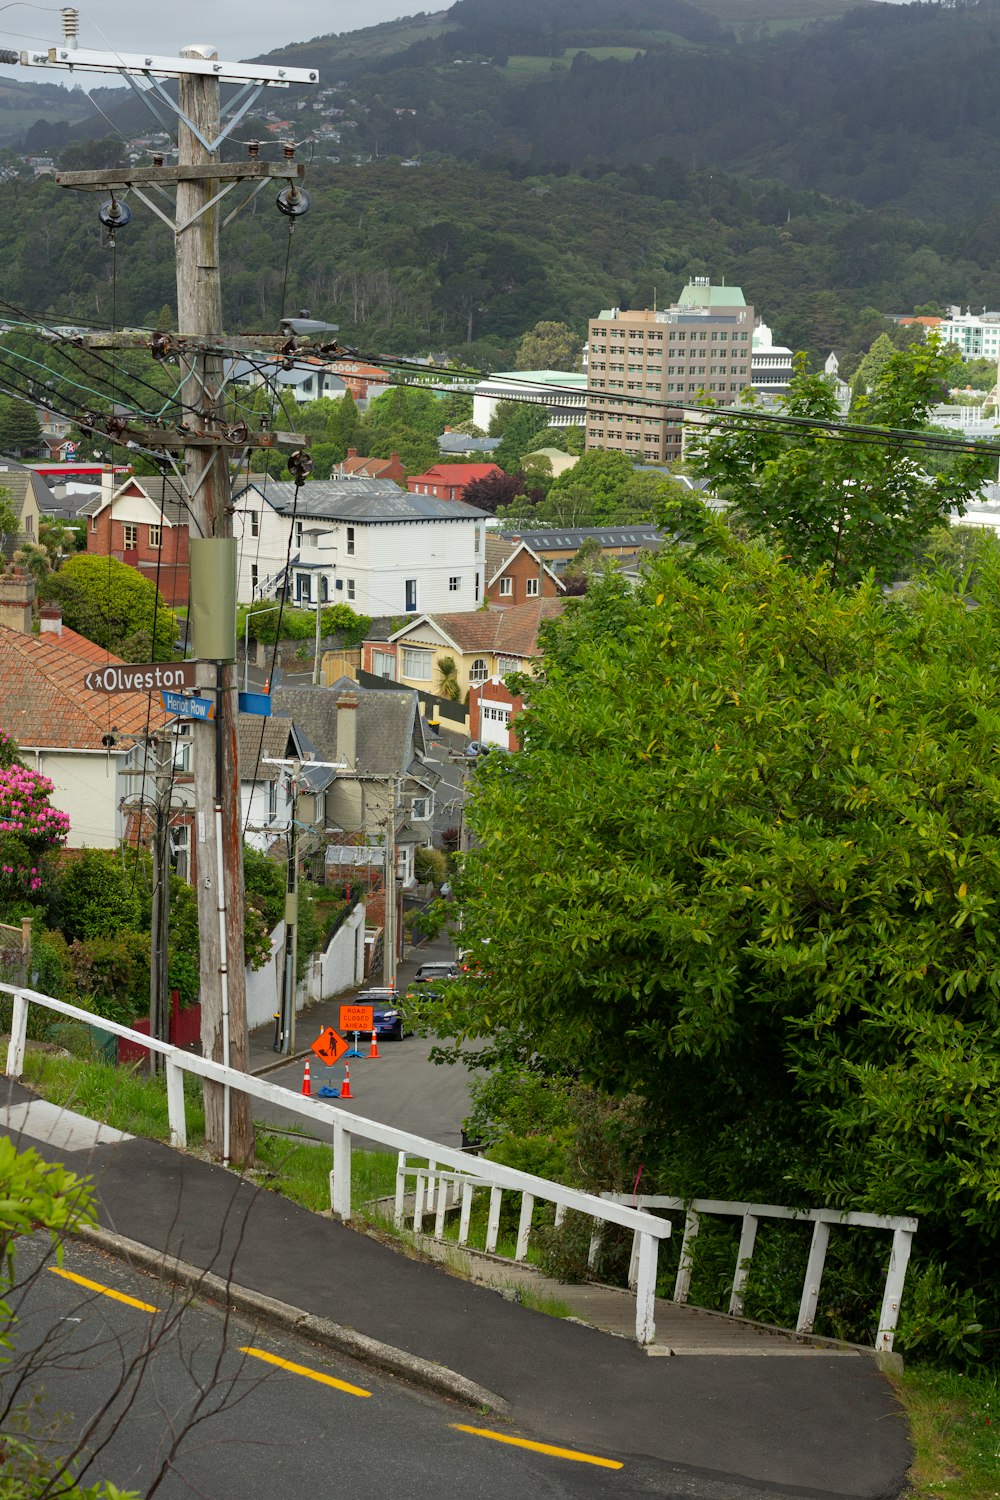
(955,1429)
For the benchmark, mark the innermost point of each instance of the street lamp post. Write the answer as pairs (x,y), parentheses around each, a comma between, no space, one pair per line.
(246,640)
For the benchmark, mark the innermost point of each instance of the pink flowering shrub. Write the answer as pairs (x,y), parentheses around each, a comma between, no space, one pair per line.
(29,825)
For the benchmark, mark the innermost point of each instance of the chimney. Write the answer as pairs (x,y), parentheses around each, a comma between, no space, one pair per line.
(352,452)
(50,619)
(347,729)
(17,595)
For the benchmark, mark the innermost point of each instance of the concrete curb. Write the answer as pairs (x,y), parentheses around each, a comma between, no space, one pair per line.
(249,1303)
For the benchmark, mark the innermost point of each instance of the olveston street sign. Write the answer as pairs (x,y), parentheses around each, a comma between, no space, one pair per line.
(147,677)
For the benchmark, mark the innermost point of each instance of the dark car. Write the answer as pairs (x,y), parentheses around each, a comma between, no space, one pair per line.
(387,1009)
(430,973)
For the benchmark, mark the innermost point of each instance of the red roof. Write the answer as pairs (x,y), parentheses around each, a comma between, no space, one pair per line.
(44,703)
(454,474)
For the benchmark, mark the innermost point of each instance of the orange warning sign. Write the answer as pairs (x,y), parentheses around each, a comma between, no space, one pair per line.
(357,1017)
(329,1046)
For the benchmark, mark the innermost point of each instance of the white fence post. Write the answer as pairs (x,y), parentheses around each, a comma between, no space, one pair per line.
(683,1283)
(418,1202)
(398,1206)
(594,1249)
(175,1105)
(493,1220)
(442,1204)
(902,1239)
(814,1275)
(748,1238)
(341,1195)
(645,1290)
(524,1226)
(466,1214)
(18,1035)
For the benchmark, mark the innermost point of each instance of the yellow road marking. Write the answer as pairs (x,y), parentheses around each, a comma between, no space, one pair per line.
(570,1453)
(286,1364)
(105,1291)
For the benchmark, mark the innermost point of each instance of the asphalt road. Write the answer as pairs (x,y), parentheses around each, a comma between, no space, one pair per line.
(186,1401)
(401,1088)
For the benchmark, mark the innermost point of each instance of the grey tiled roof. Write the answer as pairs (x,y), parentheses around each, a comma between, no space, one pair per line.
(388,729)
(365,500)
(253,751)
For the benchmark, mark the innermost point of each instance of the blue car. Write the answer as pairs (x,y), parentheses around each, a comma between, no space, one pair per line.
(387,1007)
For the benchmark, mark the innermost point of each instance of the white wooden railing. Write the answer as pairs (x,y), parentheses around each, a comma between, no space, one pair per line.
(901,1227)
(441,1160)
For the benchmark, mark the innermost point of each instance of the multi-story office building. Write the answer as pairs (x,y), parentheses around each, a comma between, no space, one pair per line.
(641,359)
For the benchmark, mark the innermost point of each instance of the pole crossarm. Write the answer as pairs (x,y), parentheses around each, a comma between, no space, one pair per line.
(89,60)
(109,179)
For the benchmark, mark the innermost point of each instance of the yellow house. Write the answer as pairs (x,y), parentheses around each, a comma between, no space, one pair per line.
(449,653)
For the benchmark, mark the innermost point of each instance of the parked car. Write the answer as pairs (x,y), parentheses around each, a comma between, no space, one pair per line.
(387,1014)
(437,970)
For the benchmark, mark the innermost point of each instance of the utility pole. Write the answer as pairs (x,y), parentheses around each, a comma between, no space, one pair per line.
(160,922)
(389,923)
(201,181)
(289,969)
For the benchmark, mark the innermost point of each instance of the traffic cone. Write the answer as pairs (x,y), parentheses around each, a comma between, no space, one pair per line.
(306,1083)
(345,1087)
(373,1049)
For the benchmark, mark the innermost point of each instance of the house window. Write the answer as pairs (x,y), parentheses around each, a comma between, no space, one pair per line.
(478,539)
(477,587)
(454,584)
(384,665)
(180,850)
(303,588)
(507,664)
(272,801)
(130,536)
(350,541)
(253,579)
(420,809)
(411,596)
(479,671)
(93,523)
(417,664)
(531,588)
(324,589)
(254,522)
(155,533)
(298,533)
(351,591)
(506,588)
(182,748)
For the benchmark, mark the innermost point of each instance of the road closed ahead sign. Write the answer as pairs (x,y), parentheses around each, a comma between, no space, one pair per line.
(329,1047)
(357,1017)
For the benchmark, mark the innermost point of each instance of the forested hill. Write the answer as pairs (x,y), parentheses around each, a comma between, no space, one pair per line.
(893,105)
(455,257)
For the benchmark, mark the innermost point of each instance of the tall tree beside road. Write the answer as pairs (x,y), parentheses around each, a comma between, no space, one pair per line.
(115,606)
(748,866)
(848,507)
(20,429)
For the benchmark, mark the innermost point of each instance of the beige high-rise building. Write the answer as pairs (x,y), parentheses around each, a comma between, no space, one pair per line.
(640,360)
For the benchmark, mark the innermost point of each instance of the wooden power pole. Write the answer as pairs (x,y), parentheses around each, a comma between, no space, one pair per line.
(202,182)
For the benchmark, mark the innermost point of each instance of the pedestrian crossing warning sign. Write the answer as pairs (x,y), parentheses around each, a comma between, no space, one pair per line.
(329,1046)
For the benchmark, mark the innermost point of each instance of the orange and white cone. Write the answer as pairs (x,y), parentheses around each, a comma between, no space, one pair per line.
(306,1083)
(345,1087)
(373,1049)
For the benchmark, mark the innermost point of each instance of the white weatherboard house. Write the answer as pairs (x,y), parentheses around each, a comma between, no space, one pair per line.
(363,542)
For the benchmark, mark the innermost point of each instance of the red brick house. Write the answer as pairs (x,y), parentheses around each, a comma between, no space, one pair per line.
(492,708)
(143,522)
(361,380)
(515,574)
(447,481)
(353,467)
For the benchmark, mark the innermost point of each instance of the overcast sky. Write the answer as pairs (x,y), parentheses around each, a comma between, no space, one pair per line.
(236,28)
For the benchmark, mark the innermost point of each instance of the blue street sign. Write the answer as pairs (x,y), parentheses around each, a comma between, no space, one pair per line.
(256,703)
(188,708)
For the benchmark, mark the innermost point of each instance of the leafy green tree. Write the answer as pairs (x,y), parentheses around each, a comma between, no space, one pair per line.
(113,605)
(826,502)
(517,424)
(8,519)
(772,908)
(549,346)
(343,423)
(20,429)
(872,365)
